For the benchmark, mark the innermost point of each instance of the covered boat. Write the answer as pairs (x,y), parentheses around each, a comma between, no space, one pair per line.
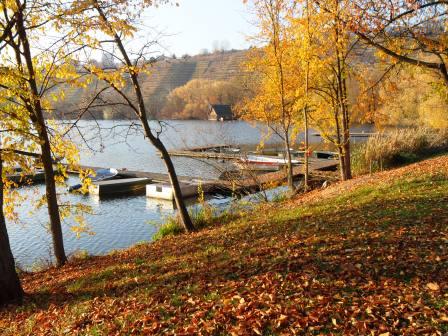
(318,154)
(100,175)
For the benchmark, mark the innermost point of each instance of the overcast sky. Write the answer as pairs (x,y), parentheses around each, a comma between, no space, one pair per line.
(197,24)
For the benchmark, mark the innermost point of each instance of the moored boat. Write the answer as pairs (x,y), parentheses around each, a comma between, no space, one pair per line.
(262,163)
(100,175)
(318,154)
(326,155)
(266,160)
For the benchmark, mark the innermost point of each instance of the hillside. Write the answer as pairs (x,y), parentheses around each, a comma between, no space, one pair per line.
(172,73)
(167,74)
(363,257)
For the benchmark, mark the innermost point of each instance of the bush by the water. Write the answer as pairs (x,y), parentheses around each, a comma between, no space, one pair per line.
(171,227)
(202,216)
(394,148)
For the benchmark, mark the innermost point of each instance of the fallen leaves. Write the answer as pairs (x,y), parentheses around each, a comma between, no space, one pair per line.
(433,286)
(322,268)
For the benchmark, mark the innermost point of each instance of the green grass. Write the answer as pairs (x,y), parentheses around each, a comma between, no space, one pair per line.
(202,216)
(170,228)
(417,189)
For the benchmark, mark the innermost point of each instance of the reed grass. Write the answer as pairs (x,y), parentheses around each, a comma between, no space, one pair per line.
(390,149)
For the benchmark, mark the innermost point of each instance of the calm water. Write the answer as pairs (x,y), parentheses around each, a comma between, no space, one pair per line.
(122,222)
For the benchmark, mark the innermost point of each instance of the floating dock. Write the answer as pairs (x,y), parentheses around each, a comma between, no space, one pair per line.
(243,185)
(120,186)
(219,152)
(189,185)
(226,152)
(255,182)
(166,192)
(20,178)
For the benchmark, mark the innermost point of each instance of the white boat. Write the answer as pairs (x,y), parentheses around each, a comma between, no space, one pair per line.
(266,160)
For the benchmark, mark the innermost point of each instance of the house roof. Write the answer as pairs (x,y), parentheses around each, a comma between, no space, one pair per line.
(223,111)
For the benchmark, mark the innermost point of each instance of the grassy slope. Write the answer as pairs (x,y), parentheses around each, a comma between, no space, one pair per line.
(362,256)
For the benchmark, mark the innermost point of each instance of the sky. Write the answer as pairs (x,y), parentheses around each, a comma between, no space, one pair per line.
(196,25)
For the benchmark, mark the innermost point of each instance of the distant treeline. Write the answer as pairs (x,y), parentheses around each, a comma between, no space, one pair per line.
(183,88)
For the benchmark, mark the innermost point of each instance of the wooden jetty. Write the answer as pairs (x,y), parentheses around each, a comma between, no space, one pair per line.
(219,152)
(241,185)
(154,177)
(256,182)
(135,177)
(20,178)
(218,147)
(223,152)
(354,134)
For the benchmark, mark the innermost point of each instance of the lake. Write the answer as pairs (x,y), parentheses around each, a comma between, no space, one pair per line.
(122,222)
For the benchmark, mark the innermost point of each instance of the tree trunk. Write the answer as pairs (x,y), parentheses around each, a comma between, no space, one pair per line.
(142,113)
(342,162)
(347,160)
(346,130)
(341,75)
(53,206)
(290,173)
(306,156)
(36,114)
(178,198)
(10,288)
(305,109)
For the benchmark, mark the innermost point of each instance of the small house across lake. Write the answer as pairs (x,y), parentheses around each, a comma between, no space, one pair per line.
(220,113)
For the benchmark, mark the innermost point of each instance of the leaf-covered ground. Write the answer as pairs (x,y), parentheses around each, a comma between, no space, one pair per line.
(366,257)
